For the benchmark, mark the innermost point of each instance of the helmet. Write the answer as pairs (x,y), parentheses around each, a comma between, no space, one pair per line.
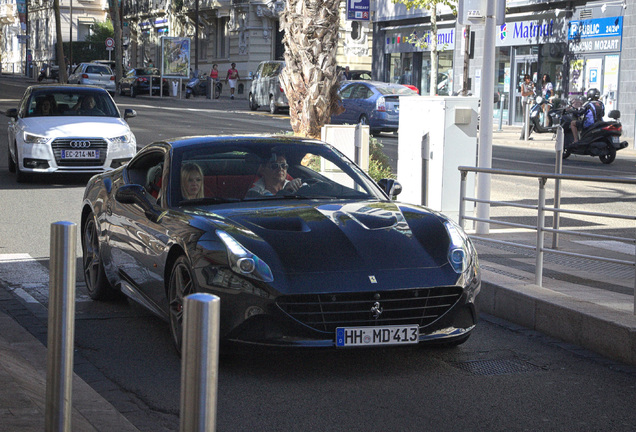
(593,94)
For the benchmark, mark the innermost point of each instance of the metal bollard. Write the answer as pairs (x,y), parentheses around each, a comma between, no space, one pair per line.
(199,362)
(526,120)
(59,365)
(558,169)
(502,101)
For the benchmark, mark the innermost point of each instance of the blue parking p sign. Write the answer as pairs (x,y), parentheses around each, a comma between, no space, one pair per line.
(358,10)
(593,76)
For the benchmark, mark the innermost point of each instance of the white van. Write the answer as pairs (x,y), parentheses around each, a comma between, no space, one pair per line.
(266,88)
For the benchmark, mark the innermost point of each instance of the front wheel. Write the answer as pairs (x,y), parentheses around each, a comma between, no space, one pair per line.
(253,104)
(273,109)
(96,281)
(133,92)
(608,157)
(181,284)
(217,91)
(11,163)
(566,153)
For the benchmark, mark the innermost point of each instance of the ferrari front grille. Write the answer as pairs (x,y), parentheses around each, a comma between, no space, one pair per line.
(326,312)
(65,144)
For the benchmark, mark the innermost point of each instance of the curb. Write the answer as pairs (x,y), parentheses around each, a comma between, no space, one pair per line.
(608,332)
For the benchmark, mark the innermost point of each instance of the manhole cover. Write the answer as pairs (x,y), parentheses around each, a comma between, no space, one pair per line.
(496,367)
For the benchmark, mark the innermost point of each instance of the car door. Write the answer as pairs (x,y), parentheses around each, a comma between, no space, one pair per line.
(350,103)
(137,244)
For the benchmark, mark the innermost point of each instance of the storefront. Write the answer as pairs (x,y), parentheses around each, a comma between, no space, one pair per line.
(407,51)
(536,47)
(594,56)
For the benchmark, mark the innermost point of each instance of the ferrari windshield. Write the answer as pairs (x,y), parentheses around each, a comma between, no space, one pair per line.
(266,170)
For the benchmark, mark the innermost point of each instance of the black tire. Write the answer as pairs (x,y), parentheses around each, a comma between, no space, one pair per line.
(96,281)
(11,163)
(610,156)
(188,94)
(217,92)
(180,285)
(133,92)
(20,176)
(121,91)
(273,109)
(566,153)
(253,104)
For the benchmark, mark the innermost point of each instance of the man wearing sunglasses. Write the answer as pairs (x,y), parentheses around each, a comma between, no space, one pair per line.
(274,178)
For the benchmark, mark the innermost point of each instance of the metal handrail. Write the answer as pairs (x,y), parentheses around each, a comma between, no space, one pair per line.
(541,209)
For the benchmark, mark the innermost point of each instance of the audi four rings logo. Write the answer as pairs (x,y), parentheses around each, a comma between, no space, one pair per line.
(80,144)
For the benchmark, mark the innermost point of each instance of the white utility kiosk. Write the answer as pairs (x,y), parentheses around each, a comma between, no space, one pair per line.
(437,135)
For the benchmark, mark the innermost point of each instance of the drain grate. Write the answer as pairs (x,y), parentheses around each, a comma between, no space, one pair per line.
(503,272)
(496,367)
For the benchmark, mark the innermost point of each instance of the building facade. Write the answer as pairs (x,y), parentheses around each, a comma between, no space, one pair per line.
(229,31)
(27,29)
(578,44)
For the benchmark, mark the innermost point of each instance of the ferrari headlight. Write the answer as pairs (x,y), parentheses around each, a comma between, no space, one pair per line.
(30,138)
(124,139)
(244,262)
(460,248)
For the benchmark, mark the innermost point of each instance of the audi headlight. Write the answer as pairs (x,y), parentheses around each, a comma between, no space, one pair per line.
(460,249)
(30,138)
(244,262)
(124,139)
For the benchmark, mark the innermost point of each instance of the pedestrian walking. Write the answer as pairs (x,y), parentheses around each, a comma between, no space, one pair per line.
(232,78)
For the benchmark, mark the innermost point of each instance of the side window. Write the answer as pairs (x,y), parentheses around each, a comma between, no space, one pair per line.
(346,92)
(148,172)
(360,92)
(259,71)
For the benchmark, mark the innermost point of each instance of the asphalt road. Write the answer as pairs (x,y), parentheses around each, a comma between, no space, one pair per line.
(505,378)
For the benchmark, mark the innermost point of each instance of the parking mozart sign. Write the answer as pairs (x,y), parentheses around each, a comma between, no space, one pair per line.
(358,10)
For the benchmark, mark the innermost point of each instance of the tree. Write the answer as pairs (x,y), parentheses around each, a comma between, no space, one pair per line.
(431,7)
(310,77)
(113,6)
(99,32)
(59,48)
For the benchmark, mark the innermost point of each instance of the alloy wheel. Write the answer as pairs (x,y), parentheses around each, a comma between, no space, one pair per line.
(181,285)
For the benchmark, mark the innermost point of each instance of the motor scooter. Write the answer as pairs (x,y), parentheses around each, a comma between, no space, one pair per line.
(602,139)
(555,111)
(49,73)
(197,86)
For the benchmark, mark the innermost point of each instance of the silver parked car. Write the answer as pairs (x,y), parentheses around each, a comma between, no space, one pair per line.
(266,89)
(94,74)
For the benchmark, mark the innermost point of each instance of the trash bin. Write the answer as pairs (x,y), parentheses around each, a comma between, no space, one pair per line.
(175,88)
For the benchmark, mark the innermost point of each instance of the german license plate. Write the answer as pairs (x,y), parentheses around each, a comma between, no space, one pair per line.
(80,154)
(368,336)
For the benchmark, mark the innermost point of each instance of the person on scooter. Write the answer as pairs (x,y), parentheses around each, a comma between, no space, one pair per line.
(591,112)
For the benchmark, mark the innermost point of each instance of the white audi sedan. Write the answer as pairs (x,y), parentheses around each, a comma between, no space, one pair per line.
(68,129)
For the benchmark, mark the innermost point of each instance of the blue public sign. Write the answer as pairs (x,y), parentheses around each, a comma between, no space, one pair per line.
(596,28)
(358,10)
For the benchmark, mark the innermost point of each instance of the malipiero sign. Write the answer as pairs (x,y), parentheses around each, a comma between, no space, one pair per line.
(595,35)
(531,32)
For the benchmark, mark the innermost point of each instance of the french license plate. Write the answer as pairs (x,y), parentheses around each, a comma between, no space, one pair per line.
(80,154)
(368,336)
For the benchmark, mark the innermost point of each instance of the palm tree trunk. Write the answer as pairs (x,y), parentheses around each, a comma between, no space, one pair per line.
(310,77)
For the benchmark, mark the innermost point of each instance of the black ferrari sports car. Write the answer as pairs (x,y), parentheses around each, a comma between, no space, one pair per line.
(302,247)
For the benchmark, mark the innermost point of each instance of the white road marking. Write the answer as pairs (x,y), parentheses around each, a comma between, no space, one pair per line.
(28,279)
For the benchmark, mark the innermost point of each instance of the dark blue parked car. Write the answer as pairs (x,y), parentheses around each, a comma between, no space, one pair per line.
(371,103)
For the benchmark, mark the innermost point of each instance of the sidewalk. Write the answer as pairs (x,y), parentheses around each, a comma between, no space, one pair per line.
(23,387)
(581,301)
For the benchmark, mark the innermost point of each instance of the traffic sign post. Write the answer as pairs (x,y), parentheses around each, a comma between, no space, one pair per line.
(110,45)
